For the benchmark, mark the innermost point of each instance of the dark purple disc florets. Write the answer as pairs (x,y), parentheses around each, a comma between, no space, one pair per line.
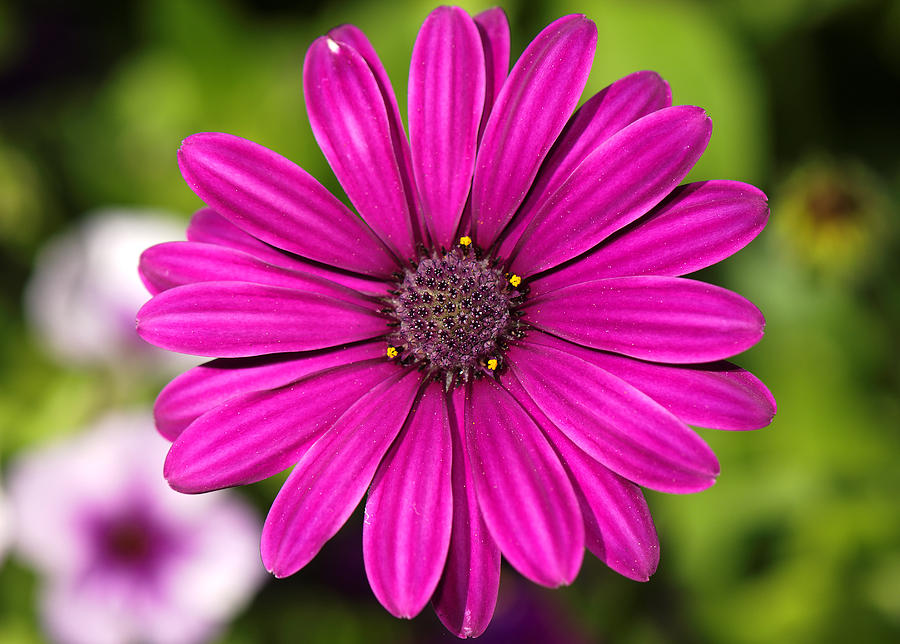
(454,315)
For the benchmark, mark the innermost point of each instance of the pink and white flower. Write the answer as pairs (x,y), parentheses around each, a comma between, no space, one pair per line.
(123,557)
(83,293)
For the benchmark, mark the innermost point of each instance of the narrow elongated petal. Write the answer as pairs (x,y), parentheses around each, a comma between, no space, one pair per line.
(663,319)
(355,38)
(332,476)
(618,527)
(172,264)
(446,97)
(198,390)
(522,489)
(719,395)
(406,531)
(209,227)
(278,202)
(493,27)
(613,422)
(467,593)
(531,110)
(617,183)
(604,114)
(256,435)
(238,319)
(698,225)
(350,122)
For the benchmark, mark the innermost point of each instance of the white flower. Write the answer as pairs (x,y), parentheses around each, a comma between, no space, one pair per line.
(124,558)
(85,289)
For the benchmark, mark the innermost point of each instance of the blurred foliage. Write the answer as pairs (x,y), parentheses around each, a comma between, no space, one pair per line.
(799,540)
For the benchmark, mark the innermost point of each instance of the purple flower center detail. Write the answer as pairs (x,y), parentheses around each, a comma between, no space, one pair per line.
(128,541)
(454,315)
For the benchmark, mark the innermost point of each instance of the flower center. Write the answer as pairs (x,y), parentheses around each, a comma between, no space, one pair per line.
(128,541)
(454,315)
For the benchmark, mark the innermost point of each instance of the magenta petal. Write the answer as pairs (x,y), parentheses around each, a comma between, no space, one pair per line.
(522,488)
(446,97)
(618,527)
(276,201)
(719,395)
(350,121)
(238,319)
(332,476)
(467,594)
(617,183)
(209,227)
(256,435)
(663,319)
(172,264)
(198,390)
(355,38)
(612,421)
(493,26)
(531,110)
(406,530)
(607,112)
(698,225)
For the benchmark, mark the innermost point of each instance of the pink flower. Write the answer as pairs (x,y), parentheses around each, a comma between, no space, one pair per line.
(499,348)
(5,527)
(83,293)
(124,558)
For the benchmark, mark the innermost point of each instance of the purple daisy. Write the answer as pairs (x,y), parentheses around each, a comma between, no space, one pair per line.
(499,348)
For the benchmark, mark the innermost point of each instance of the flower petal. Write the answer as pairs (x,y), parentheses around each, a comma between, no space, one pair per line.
(467,594)
(276,201)
(198,390)
(719,395)
(618,527)
(663,319)
(238,319)
(350,121)
(607,112)
(332,476)
(172,264)
(408,515)
(612,421)
(355,38)
(522,488)
(209,227)
(446,97)
(531,110)
(258,434)
(698,225)
(617,183)
(493,27)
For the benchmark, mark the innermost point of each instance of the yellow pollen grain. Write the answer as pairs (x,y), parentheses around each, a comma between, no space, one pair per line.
(515,280)
(391,352)
(465,241)
(492,364)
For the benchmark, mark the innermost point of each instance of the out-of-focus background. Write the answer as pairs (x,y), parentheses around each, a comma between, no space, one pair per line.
(799,541)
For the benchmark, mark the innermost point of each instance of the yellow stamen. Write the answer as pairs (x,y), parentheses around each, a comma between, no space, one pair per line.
(515,280)
(391,352)
(492,364)
(465,241)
